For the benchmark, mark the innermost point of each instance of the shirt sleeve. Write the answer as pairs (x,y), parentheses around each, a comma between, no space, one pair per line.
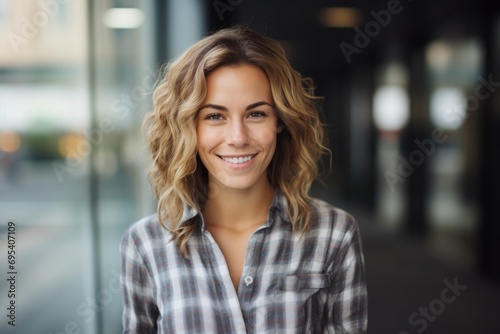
(347,294)
(140,312)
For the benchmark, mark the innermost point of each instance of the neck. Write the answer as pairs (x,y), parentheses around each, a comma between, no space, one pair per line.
(238,209)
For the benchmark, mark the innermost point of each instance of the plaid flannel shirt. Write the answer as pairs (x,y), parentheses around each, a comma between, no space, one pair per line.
(312,284)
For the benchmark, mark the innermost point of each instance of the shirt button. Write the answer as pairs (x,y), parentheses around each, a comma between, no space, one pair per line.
(248,280)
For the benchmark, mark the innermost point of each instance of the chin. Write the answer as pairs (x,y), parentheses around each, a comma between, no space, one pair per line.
(238,184)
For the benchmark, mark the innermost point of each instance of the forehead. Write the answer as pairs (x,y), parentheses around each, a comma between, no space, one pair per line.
(242,82)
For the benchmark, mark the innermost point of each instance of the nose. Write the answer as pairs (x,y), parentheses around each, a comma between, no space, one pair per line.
(237,134)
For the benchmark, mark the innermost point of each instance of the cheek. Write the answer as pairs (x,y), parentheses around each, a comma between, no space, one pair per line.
(267,136)
(205,138)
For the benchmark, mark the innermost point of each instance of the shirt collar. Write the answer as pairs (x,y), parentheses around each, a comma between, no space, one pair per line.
(279,206)
(189,212)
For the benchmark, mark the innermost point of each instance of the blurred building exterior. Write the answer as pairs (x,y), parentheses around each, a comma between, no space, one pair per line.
(412,104)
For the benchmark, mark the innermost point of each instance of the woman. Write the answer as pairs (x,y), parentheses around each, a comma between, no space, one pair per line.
(238,245)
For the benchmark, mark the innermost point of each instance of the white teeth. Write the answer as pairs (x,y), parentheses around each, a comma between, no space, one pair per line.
(239,160)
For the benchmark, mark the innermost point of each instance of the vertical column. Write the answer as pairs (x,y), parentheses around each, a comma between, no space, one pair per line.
(416,220)
(489,231)
(93,177)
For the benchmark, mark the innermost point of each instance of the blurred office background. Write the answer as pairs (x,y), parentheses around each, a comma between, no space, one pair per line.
(412,104)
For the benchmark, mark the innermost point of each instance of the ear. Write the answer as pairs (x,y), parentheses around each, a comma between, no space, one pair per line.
(281,126)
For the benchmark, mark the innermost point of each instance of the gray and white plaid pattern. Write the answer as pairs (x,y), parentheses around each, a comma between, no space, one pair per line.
(313,284)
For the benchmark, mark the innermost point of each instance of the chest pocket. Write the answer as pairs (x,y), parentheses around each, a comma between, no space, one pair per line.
(299,302)
(305,282)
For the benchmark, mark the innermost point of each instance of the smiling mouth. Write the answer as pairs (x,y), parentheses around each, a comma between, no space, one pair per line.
(238,160)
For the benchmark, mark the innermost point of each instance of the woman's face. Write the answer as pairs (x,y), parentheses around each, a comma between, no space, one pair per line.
(237,128)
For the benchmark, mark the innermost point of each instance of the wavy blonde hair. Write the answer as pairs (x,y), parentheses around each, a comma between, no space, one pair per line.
(179,178)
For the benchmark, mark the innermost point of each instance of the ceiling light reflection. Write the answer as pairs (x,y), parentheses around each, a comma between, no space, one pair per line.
(340,17)
(391,108)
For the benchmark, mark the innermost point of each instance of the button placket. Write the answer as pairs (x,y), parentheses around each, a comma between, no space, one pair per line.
(249,267)
(251,262)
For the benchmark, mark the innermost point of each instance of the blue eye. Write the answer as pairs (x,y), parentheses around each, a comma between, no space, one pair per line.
(257,114)
(214,117)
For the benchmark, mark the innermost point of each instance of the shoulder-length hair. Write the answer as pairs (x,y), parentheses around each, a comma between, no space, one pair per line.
(177,174)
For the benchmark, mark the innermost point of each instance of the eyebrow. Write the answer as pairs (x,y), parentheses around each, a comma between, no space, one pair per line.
(249,107)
